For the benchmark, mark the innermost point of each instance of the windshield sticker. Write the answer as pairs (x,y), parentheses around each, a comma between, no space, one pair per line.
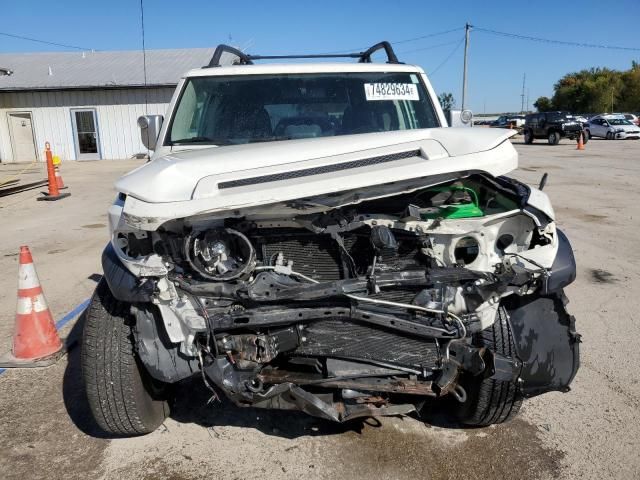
(414,78)
(390,91)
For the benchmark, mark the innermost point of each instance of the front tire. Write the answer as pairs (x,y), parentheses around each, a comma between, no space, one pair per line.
(492,401)
(553,138)
(123,398)
(528,137)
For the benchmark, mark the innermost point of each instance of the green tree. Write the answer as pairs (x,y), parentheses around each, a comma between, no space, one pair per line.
(596,90)
(447,102)
(589,91)
(630,94)
(543,104)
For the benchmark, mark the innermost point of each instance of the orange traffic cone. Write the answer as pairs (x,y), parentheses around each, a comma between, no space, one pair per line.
(580,142)
(35,340)
(54,191)
(56,169)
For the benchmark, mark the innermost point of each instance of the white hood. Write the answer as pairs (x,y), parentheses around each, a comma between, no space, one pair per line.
(232,177)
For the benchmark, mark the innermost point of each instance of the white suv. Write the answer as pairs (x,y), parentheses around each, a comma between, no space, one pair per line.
(312,237)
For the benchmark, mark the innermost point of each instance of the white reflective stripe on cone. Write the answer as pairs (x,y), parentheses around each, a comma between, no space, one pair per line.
(28,305)
(27,276)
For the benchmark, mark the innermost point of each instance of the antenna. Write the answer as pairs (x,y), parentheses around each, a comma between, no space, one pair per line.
(522,95)
(467,29)
(144,60)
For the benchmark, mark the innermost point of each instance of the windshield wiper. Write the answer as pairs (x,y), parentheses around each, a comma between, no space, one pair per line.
(267,139)
(213,141)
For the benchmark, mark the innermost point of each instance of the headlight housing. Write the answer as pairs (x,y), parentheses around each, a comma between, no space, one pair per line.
(220,254)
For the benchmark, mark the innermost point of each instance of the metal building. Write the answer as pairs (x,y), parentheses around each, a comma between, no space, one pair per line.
(85,104)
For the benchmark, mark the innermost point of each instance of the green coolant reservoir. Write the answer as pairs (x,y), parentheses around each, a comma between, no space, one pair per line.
(454,211)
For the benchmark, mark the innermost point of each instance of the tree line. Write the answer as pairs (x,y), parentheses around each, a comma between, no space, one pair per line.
(595,90)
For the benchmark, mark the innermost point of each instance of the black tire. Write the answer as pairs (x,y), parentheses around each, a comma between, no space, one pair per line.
(122,396)
(528,137)
(587,136)
(609,136)
(492,401)
(553,138)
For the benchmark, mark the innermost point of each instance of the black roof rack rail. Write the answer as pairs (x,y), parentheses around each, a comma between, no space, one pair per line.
(244,59)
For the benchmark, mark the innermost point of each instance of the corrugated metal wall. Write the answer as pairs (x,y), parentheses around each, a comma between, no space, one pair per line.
(117,111)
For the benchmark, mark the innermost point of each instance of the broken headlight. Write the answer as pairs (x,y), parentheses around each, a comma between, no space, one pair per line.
(219,254)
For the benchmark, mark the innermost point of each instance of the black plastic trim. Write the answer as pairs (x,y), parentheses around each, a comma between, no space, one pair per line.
(563,270)
(546,342)
(122,283)
(161,358)
(276,177)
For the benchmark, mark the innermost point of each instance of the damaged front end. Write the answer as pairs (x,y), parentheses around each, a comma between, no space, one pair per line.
(355,304)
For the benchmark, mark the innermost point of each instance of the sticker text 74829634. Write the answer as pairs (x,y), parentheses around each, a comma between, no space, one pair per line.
(391,91)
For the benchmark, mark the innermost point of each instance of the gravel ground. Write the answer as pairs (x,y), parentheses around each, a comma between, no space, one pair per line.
(591,432)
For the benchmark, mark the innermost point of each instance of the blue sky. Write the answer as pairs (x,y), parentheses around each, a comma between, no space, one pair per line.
(496,64)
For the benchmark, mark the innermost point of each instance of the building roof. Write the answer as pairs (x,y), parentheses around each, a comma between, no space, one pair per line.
(63,70)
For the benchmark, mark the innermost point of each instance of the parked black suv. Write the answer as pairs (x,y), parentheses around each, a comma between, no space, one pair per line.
(553,126)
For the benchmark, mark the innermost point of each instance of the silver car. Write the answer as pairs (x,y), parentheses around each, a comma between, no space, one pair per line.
(612,127)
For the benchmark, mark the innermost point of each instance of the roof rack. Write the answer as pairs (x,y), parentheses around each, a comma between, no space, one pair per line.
(245,59)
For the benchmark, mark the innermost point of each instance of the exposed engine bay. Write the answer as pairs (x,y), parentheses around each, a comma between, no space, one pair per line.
(363,309)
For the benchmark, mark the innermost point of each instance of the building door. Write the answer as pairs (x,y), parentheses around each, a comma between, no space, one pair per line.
(21,129)
(85,132)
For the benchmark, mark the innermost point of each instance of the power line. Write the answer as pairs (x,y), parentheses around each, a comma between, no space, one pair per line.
(557,42)
(427,36)
(430,47)
(20,37)
(396,42)
(455,49)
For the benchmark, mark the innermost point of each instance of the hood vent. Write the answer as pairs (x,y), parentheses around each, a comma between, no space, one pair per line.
(276,177)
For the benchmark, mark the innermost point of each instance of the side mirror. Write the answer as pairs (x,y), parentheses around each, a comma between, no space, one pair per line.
(605,124)
(457,118)
(466,117)
(150,126)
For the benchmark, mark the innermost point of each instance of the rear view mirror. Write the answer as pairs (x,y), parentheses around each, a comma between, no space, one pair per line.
(150,126)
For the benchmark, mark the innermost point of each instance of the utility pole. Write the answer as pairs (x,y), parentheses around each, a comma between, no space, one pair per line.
(467,29)
(611,100)
(524,80)
(527,99)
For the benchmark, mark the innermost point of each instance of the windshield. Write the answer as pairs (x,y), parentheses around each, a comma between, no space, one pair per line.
(618,121)
(260,108)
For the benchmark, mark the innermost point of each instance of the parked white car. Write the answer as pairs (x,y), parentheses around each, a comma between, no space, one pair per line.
(632,118)
(314,237)
(612,127)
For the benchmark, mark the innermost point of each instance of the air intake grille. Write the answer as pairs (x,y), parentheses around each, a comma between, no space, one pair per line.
(365,162)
